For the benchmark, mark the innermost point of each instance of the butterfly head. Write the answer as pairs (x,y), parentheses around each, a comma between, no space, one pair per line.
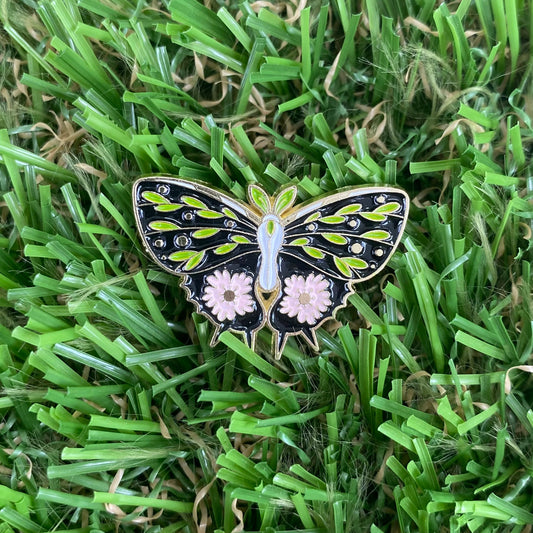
(272,205)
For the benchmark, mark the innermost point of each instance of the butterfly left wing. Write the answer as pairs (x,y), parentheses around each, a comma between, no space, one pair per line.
(209,239)
(330,245)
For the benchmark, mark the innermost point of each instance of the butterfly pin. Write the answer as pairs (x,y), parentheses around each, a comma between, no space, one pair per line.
(269,263)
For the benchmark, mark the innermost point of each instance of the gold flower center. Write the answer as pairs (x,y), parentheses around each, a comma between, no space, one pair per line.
(229,296)
(304,298)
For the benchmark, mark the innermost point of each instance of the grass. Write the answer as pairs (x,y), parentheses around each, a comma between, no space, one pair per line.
(415,415)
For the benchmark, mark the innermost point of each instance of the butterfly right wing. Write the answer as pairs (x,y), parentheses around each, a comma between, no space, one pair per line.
(210,239)
(331,244)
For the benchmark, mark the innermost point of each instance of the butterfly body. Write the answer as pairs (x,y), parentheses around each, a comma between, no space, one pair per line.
(270,235)
(268,263)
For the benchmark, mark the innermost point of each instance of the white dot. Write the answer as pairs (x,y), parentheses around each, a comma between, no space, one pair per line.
(352,223)
(158,243)
(162,189)
(379,252)
(357,248)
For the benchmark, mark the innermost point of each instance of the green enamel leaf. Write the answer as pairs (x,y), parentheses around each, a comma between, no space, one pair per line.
(271,227)
(162,225)
(229,213)
(240,239)
(313,252)
(391,207)
(375,217)
(334,238)
(207,213)
(193,202)
(181,256)
(260,198)
(205,233)
(342,267)
(334,219)
(154,197)
(376,235)
(349,209)
(312,217)
(353,262)
(225,249)
(299,242)
(285,199)
(194,260)
(168,207)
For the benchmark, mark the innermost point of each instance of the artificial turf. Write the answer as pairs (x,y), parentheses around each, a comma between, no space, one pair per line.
(415,413)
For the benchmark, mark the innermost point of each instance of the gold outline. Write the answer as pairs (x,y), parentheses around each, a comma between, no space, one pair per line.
(287,215)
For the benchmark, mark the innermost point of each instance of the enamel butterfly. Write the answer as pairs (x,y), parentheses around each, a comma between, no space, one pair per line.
(269,263)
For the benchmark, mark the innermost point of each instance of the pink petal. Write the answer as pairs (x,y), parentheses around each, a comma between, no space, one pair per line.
(289,306)
(212,280)
(308,314)
(226,278)
(321,285)
(240,283)
(227,310)
(243,304)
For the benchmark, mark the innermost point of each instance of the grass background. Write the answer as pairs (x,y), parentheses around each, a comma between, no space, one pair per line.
(415,415)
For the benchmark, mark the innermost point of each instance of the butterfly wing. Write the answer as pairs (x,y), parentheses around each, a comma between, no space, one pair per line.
(208,238)
(330,245)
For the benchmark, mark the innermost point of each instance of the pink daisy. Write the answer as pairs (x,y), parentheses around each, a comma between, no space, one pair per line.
(228,295)
(306,298)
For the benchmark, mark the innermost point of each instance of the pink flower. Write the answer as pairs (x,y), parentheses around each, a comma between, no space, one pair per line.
(306,298)
(228,295)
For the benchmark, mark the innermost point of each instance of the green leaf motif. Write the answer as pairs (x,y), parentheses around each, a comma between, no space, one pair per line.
(225,249)
(240,239)
(349,209)
(260,198)
(342,267)
(229,213)
(204,233)
(193,202)
(391,207)
(299,242)
(333,219)
(181,256)
(194,261)
(353,262)
(375,217)
(335,238)
(285,199)
(163,225)
(166,208)
(207,213)
(154,197)
(312,217)
(313,252)
(376,235)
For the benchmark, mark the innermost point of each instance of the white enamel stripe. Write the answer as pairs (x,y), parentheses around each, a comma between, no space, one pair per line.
(270,245)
